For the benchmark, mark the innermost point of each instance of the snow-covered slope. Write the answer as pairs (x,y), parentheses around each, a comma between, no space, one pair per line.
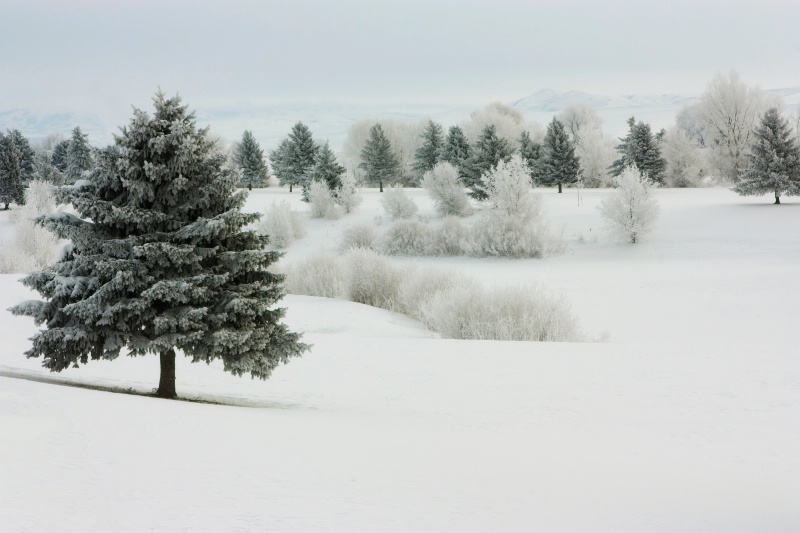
(688,418)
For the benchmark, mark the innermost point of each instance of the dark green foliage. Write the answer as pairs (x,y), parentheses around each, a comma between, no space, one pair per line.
(774,160)
(456,151)
(79,156)
(326,169)
(249,157)
(429,153)
(530,152)
(59,159)
(640,148)
(11,186)
(558,164)
(160,260)
(378,159)
(26,154)
(294,157)
(488,150)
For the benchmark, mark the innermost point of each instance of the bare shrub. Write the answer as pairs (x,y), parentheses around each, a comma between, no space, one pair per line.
(282,225)
(397,204)
(449,238)
(419,287)
(519,313)
(358,236)
(34,247)
(447,191)
(371,279)
(321,274)
(407,237)
(505,237)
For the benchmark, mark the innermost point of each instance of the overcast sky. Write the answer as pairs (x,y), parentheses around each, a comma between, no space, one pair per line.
(103,56)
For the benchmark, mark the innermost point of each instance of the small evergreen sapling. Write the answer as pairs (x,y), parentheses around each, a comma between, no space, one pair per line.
(558,165)
(160,261)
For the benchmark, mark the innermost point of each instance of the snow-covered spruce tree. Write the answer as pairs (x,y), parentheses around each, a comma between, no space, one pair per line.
(456,151)
(378,159)
(294,156)
(249,157)
(159,261)
(26,154)
(631,210)
(558,165)
(640,148)
(79,156)
(489,150)
(11,188)
(427,155)
(59,157)
(325,169)
(530,152)
(774,159)
(447,191)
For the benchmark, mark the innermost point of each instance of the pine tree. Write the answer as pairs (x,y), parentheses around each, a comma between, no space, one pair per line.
(59,158)
(277,159)
(11,187)
(294,157)
(378,159)
(427,155)
(530,152)
(489,150)
(160,260)
(79,156)
(558,165)
(26,154)
(325,169)
(774,160)
(249,157)
(456,151)
(640,148)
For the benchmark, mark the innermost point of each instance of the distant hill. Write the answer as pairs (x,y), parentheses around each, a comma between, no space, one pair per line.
(37,126)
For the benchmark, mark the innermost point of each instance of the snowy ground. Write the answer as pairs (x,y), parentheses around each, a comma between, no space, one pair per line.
(687,418)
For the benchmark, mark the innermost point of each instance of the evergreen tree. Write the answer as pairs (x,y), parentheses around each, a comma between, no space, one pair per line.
(326,169)
(530,152)
(160,260)
(249,157)
(427,155)
(640,148)
(558,165)
(26,154)
(774,160)
(79,156)
(489,150)
(59,158)
(277,158)
(301,155)
(11,187)
(378,159)
(456,151)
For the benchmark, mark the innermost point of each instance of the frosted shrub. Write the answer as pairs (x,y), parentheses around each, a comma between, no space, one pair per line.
(449,238)
(509,191)
(322,274)
(347,196)
(419,287)
(397,204)
(407,237)
(519,313)
(358,236)
(371,279)
(505,237)
(34,247)
(447,191)
(282,225)
(631,211)
(320,197)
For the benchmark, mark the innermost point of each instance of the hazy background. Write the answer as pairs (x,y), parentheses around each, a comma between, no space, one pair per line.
(98,58)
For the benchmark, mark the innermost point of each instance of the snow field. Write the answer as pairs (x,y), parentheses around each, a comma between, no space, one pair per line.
(687,419)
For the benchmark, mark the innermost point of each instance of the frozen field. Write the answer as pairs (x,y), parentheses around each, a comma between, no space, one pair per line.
(686,416)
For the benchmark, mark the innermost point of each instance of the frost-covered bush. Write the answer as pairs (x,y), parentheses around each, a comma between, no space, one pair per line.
(449,238)
(420,286)
(631,210)
(322,202)
(447,191)
(407,237)
(33,247)
(505,237)
(282,225)
(371,279)
(321,274)
(347,195)
(397,204)
(520,313)
(509,191)
(360,235)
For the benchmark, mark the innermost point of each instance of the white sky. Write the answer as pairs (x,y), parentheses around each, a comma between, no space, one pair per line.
(101,56)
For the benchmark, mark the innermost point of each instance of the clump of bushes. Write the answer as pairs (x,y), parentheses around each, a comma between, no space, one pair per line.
(281,225)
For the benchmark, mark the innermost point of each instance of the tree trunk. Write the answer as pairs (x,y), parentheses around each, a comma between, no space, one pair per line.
(777,199)
(380,183)
(166,384)
(290,187)
(559,187)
